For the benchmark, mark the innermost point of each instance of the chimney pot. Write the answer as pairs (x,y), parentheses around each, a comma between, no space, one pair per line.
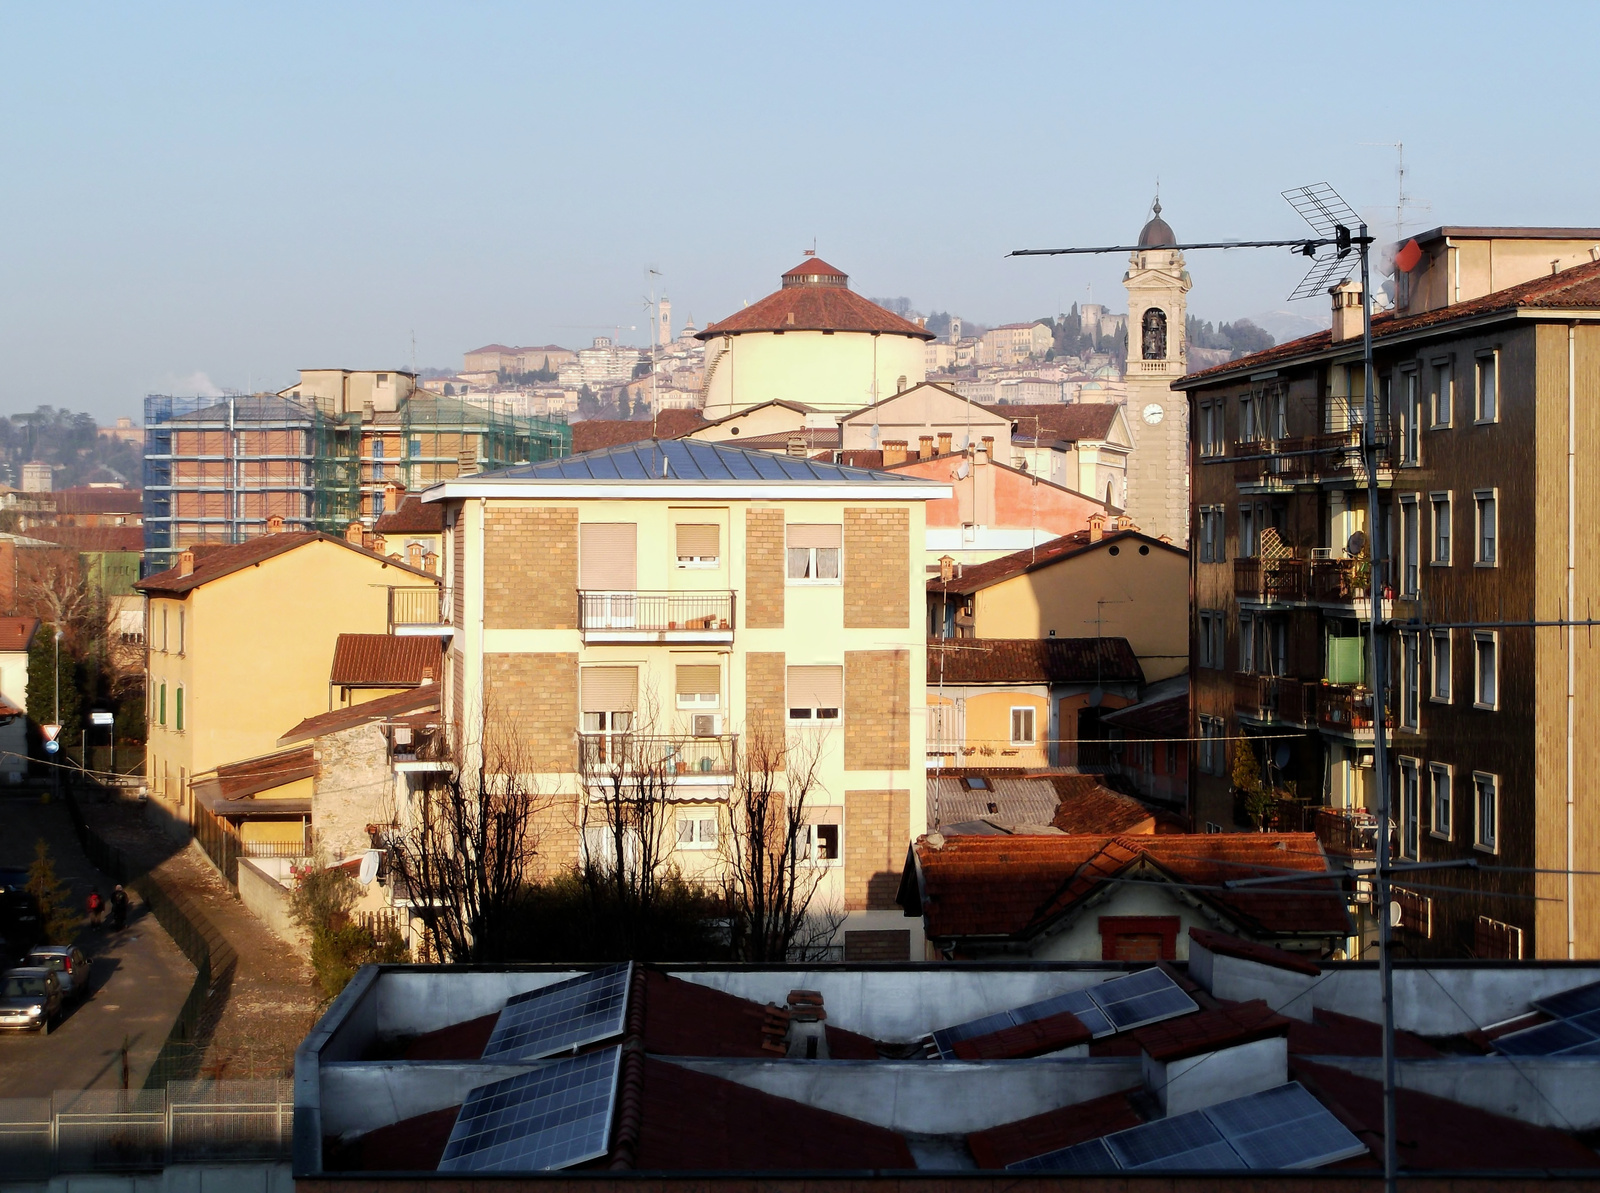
(352,533)
(944,443)
(796,447)
(274,523)
(1346,311)
(925,447)
(988,448)
(1097,527)
(186,563)
(894,452)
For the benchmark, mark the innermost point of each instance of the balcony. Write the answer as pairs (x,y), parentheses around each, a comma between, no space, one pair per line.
(1270,581)
(683,760)
(1345,832)
(701,617)
(1346,709)
(419,611)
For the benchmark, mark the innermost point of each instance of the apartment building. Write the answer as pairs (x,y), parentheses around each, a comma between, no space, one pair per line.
(1012,343)
(1485,403)
(670,601)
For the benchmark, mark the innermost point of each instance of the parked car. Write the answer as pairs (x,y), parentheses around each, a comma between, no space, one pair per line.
(69,965)
(30,999)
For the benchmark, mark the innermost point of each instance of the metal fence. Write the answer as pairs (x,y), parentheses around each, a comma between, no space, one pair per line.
(139,1130)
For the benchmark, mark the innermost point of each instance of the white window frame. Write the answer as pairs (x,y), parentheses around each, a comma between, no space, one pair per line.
(1485,842)
(1410,809)
(697,819)
(1481,638)
(1441,392)
(1479,498)
(1440,515)
(1410,680)
(1440,827)
(1485,362)
(1032,719)
(1437,693)
(812,580)
(1410,545)
(1410,419)
(1211,757)
(806,841)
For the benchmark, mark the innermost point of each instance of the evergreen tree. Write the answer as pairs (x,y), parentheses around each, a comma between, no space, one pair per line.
(59,921)
(42,683)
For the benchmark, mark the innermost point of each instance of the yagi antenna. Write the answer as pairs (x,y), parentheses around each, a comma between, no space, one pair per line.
(1331,218)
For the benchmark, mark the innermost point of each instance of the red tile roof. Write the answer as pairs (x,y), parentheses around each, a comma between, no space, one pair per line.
(1021,1040)
(1207,1031)
(1016,887)
(687,1019)
(814,267)
(215,562)
(385,661)
(594,434)
(1032,661)
(414,516)
(16,633)
(1157,718)
(384,708)
(1070,421)
(1052,1130)
(829,306)
(238,781)
(1058,550)
(84,500)
(1577,288)
(1088,807)
(1333,1034)
(1249,950)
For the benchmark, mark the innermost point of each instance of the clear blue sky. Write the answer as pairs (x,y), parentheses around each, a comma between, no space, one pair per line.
(223,193)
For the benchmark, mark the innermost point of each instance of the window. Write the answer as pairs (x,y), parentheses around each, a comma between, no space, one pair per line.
(819,844)
(161,708)
(1410,545)
(164,639)
(1213,545)
(813,554)
(609,696)
(1410,420)
(1441,528)
(182,633)
(383,379)
(1439,641)
(377,456)
(177,709)
(377,505)
(1409,808)
(1211,438)
(1410,681)
(1022,726)
(416,447)
(697,829)
(1486,811)
(1247,419)
(1247,643)
(699,545)
(1486,669)
(815,693)
(1488,526)
(1439,798)
(1442,393)
(699,685)
(1210,635)
(1487,408)
(1247,531)
(1211,752)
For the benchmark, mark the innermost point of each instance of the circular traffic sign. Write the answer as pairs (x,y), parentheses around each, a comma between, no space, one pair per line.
(50,747)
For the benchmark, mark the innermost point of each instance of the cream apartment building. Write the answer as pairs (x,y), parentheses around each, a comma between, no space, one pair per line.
(688,595)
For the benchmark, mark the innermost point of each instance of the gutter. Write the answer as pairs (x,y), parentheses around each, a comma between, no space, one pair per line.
(1572,566)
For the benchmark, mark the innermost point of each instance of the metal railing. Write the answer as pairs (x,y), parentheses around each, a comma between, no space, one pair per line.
(657,612)
(420,605)
(1259,579)
(1345,832)
(1347,708)
(290,849)
(685,758)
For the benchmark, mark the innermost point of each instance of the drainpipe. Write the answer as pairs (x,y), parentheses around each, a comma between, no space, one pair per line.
(1572,569)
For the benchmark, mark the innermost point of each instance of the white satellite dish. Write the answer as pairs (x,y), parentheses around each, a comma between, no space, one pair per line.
(369,867)
(962,471)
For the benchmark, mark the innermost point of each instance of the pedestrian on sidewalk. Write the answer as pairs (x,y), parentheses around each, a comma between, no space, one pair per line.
(96,906)
(119,908)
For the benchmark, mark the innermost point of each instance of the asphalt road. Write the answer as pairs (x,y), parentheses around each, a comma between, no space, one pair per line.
(139,977)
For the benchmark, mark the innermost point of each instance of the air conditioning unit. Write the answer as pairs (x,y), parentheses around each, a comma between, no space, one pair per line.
(1321,552)
(1363,759)
(707,724)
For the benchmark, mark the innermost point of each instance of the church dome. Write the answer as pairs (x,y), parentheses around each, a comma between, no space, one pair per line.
(1157,234)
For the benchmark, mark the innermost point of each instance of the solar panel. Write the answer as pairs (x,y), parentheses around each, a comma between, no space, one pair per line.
(566,1015)
(1092,1156)
(1183,1141)
(1144,997)
(1544,1040)
(556,1116)
(1569,1004)
(1283,1128)
(1078,1002)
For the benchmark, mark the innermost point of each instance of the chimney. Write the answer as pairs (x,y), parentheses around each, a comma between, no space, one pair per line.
(894,452)
(378,543)
(947,568)
(368,412)
(1123,522)
(274,523)
(925,447)
(427,674)
(1346,311)
(944,443)
(414,555)
(186,563)
(796,447)
(988,447)
(352,533)
(394,494)
(467,461)
(1097,527)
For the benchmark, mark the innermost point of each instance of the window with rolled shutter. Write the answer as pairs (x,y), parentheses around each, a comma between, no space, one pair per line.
(606,556)
(699,685)
(815,693)
(813,552)
(699,544)
(610,689)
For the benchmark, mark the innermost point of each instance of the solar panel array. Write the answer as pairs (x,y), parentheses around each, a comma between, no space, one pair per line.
(554,1117)
(1574,1032)
(1122,1003)
(1279,1128)
(569,1014)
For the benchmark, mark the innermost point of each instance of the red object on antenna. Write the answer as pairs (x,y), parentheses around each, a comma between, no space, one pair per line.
(1409,256)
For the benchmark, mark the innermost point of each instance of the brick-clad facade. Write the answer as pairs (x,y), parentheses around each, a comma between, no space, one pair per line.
(536,695)
(877,831)
(763,569)
(877,709)
(764,693)
(458,695)
(530,568)
(877,556)
(891,945)
(458,571)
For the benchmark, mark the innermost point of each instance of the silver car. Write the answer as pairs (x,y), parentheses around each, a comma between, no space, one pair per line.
(69,964)
(30,999)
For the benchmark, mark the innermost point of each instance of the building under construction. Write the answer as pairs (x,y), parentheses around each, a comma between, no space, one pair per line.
(318,455)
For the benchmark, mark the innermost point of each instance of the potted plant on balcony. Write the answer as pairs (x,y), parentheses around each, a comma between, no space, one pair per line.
(1253,799)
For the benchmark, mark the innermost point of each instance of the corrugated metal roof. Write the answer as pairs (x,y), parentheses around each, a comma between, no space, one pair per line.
(693,460)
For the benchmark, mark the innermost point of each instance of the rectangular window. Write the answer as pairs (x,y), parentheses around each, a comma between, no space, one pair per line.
(607,556)
(813,553)
(1486,806)
(1211,752)
(182,632)
(1440,503)
(1442,662)
(1410,420)
(161,719)
(699,685)
(164,639)
(177,709)
(1247,531)
(1022,726)
(815,693)
(697,829)
(1247,643)
(1209,445)
(819,842)
(1208,536)
(1410,681)
(1442,395)
(1439,798)
(1488,396)
(1410,807)
(1247,420)
(377,505)
(609,696)
(1410,545)
(1210,639)
(1486,669)
(699,545)
(416,447)
(1488,519)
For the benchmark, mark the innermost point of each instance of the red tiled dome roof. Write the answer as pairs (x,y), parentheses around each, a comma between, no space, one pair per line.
(815,296)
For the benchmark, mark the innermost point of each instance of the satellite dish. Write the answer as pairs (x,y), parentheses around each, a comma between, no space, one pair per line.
(1357,543)
(369,867)
(1394,914)
(1280,756)
(1096,696)
(962,470)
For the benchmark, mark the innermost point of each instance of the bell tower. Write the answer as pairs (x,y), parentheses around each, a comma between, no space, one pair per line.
(1158,468)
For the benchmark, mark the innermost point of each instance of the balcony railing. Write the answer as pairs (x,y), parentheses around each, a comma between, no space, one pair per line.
(656,616)
(421,609)
(1345,832)
(1255,696)
(290,849)
(1306,459)
(1347,708)
(1266,580)
(683,759)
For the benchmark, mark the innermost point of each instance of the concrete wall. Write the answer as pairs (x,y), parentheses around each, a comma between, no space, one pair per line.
(269,900)
(840,372)
(1211,1077)
(1548,1091)
(353,788)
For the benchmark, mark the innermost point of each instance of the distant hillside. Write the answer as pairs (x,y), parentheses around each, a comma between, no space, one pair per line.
(70,444)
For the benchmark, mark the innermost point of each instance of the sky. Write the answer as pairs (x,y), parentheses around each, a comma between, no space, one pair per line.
(204,197)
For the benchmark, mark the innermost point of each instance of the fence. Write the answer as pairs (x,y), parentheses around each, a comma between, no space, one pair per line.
(133,1130)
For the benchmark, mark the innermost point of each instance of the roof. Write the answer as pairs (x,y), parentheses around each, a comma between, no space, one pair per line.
(814,297)
(229,789)
(1052,1130)
(1088,806)
(1167,717)
(1029,559)
(1249,950)
(1006,800)
(1209,1030)
(1020,326)
(1070,421)
(1491,232)
(1017,887)
(1157,233)
(1032,661)
(417,699)
(593,434)
(84,500)
(489,348)
(16,633)
(385,660)
(127,539)
(412,516)
(217,562)
(1571,289)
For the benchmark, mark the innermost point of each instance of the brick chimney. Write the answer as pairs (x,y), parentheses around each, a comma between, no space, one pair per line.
(796,447)
(186,563)
(988,447)
(414,555)
(274,523)
(894,452)
(1346,311)
(393,494)
(925,447)
(1097,527)
(467,461)
(352,533)
(944,443)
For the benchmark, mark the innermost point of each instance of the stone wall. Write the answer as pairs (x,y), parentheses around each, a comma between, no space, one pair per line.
(530,568)
(877,554)
(535,697)
(877,831)
(877,710)
(353,788)
(763,569)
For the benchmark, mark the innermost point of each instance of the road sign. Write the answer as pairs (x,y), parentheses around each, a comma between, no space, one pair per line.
(102,718)
(49,731)
(51,746)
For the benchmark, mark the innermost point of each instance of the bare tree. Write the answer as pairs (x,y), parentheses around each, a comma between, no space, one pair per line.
(53,589)
(770,880)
